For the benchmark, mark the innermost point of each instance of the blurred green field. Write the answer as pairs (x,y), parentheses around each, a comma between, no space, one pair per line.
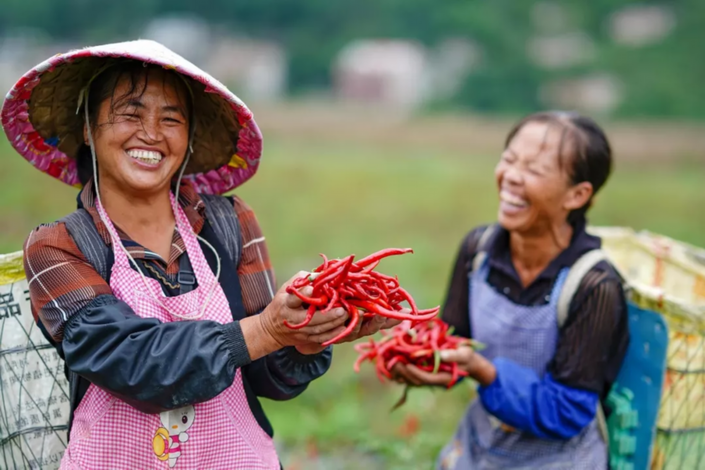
(315,195)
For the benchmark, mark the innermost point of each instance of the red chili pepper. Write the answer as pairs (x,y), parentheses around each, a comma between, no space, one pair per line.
(374,257)
(332,272)
(331,303)
(346,269)
(362,276)
(454,375)
(416,343)
(372,307)
(359,290)
(347,291)
(370,267)
(380,292)
(410,300)
(354,319)
(363,357)
(395,360)
(317,301)
(300,282)
(324,265)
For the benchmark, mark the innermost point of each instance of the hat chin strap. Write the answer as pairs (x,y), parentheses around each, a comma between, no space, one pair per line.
(118,243)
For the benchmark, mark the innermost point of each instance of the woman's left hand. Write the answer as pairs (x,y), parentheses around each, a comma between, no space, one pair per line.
(370,326)
(467,359)
(366,327)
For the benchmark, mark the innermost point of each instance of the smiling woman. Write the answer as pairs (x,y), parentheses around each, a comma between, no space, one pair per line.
(145,114)
(541,377)
(552,165)
(139,118)
(158,293)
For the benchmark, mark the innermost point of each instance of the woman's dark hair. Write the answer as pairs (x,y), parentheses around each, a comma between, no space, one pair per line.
(589,154)
(103,87)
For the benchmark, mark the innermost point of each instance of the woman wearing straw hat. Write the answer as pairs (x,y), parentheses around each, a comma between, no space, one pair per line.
(158,294)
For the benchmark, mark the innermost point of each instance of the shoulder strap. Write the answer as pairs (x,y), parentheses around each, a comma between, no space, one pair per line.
(575,276)
(221,216)
(85,234)
(481,252)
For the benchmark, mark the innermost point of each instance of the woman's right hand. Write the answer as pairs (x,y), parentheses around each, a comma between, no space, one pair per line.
(476,366)
(272,334)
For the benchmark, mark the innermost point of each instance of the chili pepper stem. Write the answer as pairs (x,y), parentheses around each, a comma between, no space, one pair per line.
(402,399)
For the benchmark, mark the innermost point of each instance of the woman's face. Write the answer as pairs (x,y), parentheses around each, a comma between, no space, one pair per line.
(141,142)
(535,191)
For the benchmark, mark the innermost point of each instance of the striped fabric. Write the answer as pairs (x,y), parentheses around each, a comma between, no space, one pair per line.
(62,282)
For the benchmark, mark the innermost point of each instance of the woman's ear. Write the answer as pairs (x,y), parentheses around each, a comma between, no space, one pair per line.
(578,196)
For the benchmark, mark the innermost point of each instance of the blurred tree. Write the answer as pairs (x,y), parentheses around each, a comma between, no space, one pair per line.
(663,79)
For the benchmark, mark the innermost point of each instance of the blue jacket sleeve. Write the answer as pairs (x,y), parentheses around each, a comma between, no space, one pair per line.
(542,407)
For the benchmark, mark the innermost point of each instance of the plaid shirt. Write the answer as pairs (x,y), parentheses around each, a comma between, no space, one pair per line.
(62,282)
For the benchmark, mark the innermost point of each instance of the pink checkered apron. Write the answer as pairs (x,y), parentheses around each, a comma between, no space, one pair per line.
(222,433)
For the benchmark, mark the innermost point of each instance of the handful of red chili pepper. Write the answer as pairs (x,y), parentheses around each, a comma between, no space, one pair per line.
(359,289)
(417,343)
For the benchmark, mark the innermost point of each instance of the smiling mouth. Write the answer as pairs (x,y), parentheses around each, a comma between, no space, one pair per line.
(513,200)
(145,156)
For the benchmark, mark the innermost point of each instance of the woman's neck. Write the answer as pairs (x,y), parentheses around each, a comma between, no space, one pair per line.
(532,252)
(147,218)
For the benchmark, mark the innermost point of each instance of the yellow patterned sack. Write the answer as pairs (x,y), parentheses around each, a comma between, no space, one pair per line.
(668,277)
(34,393)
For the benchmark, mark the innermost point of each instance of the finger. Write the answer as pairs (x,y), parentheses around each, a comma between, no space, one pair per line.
(355,332)
(401,371)
(390,323)
(371,326)
(325,336)
(324,328)
(439,378)
(292,301)
(462,355)
(335,316)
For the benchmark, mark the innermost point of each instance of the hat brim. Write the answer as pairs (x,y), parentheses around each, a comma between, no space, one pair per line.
(40,120)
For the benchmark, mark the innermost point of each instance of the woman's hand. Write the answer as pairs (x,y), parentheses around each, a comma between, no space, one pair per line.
(370,326)
(366,327)
(266,332)
(467,359)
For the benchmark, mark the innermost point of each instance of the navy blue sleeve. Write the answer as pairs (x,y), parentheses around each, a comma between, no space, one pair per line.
(285,374)
(455,306)
(151,365)
(544,408)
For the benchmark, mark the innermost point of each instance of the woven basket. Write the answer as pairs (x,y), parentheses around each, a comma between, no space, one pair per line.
(668,277)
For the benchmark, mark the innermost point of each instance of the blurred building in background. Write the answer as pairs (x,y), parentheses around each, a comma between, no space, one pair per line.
(392,73)
(255,69)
